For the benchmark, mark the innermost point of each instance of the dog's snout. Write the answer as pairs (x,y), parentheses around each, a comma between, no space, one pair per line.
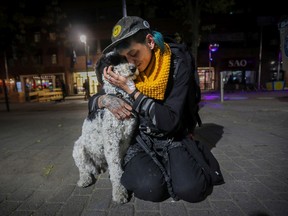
(132,68)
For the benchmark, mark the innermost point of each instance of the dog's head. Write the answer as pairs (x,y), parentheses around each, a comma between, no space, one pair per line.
(119,63)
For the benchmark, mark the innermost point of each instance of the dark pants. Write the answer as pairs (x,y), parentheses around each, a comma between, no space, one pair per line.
(144,178)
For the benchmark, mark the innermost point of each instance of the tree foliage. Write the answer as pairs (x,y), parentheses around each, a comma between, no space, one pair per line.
(19,19)
(13,22)
(188,12)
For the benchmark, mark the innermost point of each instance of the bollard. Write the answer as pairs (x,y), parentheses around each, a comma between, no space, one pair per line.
(222,86)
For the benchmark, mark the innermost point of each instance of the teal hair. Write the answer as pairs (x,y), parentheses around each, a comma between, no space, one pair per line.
(159,40)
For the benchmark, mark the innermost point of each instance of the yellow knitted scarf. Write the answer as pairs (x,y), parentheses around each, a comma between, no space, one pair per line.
(153,81)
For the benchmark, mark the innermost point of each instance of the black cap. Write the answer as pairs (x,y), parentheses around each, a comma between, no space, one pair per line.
(124,28)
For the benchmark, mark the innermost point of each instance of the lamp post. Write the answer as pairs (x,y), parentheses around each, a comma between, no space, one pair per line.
(212,48)
(83,40)
(124,8)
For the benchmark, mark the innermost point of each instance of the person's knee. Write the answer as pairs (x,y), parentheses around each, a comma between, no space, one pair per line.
(152,189)
(192,191)
(152,192)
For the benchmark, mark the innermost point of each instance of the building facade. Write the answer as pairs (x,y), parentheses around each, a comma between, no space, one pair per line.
(247,56)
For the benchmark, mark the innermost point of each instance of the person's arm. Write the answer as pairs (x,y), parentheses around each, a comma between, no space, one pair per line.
(120,108)
(166,116)
(93,102)
(93,107)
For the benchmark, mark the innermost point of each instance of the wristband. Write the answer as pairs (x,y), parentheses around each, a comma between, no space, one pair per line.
(133,93)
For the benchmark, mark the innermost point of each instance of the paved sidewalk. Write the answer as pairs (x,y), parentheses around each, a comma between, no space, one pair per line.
(248,134)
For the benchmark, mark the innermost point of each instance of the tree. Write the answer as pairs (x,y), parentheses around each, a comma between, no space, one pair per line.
(19,21)
(190,11)
(144,8)
(19,18)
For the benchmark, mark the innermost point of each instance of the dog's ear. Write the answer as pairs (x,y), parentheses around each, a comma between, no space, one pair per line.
(114,58)
(111,58)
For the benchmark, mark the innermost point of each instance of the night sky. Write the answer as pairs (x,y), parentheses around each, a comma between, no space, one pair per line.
(85,8)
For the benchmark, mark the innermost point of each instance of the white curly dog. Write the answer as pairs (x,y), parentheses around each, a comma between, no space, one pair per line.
(105,139)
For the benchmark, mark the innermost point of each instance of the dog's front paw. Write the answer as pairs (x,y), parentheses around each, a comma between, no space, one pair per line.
(84,181)
(120,195)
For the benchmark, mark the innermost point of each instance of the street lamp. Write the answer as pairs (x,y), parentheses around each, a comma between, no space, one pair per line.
(83,40)
(212,48)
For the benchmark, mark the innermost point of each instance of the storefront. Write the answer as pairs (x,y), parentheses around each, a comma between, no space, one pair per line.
(39,82)
(42,87)
(34,87)
(239,74)
(206,78)
(79,79)
(12,89)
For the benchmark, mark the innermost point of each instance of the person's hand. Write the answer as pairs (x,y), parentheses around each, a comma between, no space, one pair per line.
(115,79)
(120,109)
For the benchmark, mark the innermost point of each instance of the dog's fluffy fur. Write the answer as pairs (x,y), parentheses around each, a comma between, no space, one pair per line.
(105,139)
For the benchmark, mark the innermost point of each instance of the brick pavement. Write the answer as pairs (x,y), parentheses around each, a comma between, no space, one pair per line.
(247,134)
